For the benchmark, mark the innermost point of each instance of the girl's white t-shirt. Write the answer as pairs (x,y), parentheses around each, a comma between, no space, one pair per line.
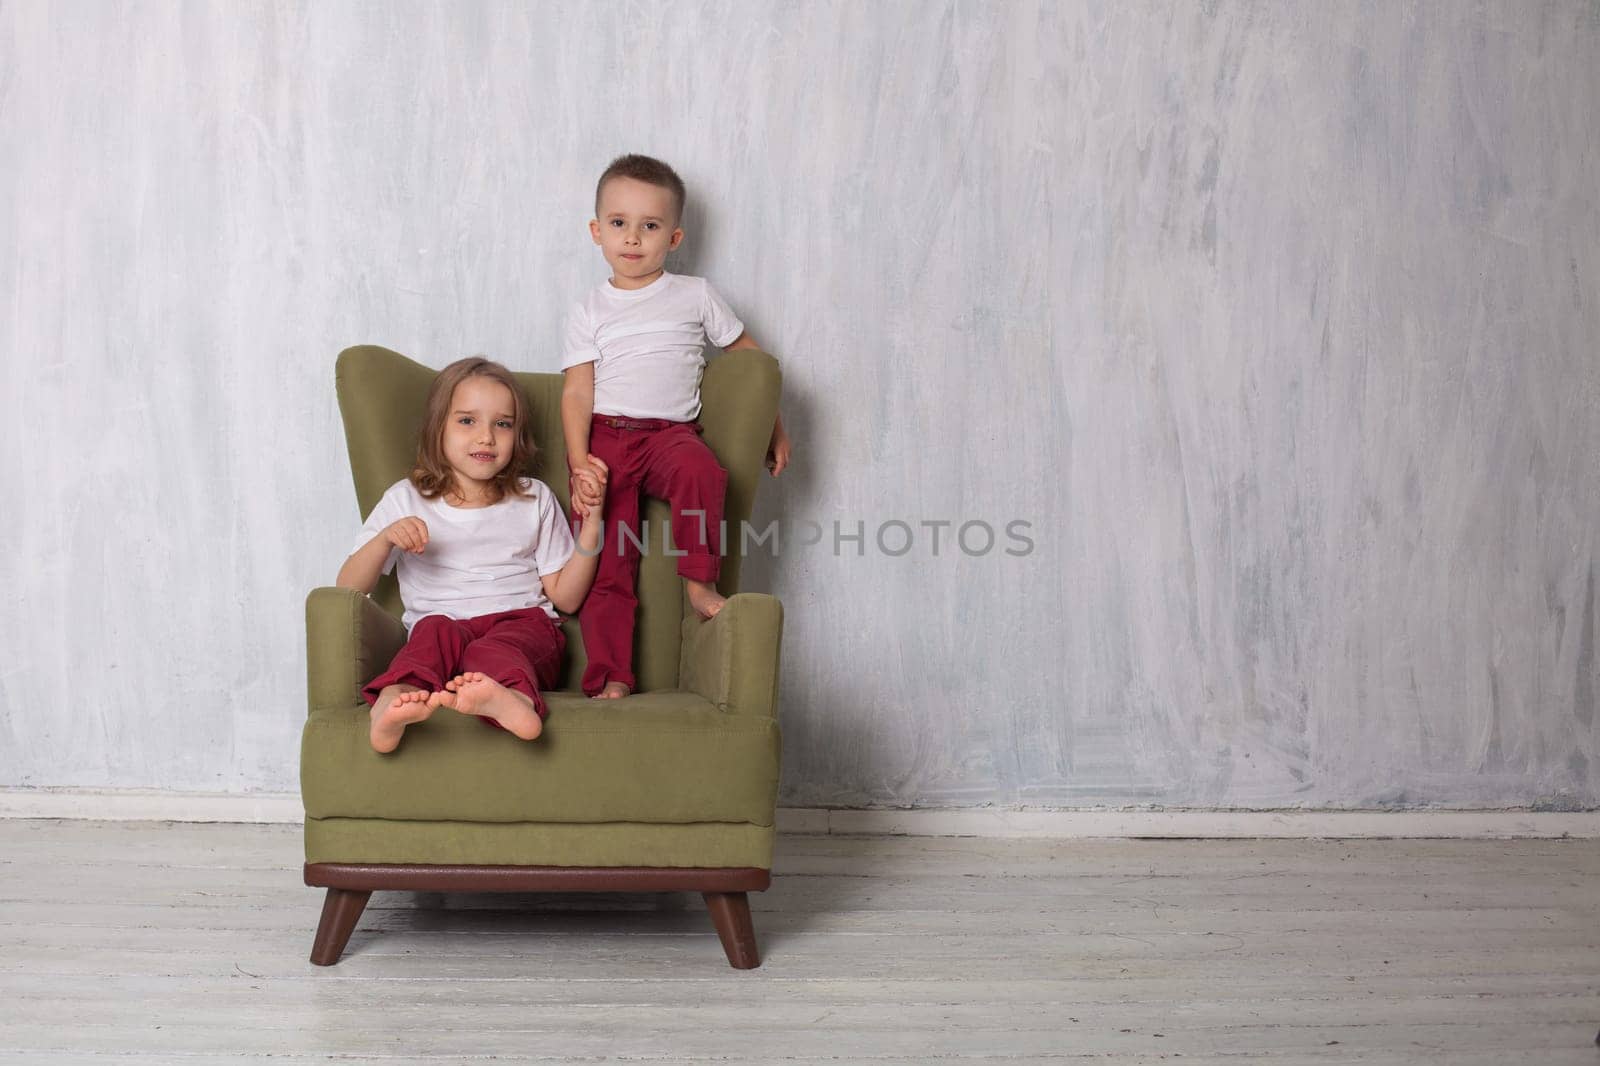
(479,560)
(648,345)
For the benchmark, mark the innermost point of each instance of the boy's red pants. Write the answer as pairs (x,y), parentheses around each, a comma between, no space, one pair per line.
(669,461)
(520,649)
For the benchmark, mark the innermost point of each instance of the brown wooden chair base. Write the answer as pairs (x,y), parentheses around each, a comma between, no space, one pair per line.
(340,911)
(351,885)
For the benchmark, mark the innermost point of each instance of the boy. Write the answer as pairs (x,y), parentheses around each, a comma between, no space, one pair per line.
(633,358)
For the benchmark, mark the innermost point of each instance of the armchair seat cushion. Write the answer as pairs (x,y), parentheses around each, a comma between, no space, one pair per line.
(656,757)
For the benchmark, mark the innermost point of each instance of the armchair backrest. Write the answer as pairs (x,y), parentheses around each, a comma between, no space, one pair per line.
(381,396)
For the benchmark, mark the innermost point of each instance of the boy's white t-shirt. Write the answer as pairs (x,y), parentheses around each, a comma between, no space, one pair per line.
(479,560)
(648,345)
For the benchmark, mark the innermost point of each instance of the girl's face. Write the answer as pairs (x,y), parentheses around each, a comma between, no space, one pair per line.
(480,431)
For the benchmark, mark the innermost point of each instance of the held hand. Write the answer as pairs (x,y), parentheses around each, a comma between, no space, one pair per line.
(598,472)
(588,495)
(779,450)
(588,484)
(408,534)
(585,492)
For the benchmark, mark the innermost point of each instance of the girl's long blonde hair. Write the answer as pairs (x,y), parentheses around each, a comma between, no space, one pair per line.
(432,475)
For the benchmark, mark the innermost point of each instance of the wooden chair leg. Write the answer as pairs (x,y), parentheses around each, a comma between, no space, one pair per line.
(340,912)
(730,911)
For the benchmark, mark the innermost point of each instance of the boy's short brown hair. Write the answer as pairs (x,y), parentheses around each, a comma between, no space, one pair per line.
(643,168)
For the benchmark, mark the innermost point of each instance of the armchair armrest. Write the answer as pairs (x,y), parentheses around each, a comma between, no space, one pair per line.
(732,660)
(349,641)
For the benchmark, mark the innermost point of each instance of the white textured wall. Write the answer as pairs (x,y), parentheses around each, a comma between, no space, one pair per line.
(1279,322)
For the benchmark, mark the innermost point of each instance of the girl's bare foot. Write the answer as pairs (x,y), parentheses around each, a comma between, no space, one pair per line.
(396,707)
(704,598)
(482,695)
(614,690)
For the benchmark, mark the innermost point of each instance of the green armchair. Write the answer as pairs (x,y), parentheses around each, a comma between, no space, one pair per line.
(671,789)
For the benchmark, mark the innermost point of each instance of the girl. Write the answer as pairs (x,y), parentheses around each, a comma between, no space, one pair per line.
(485,559)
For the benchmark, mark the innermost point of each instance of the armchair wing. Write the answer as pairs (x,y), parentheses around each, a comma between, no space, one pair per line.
(349,641)
(738,406)
(731,661)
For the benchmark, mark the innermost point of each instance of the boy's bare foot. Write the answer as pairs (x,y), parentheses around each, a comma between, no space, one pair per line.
(704,598)
(482,695)
(614,690)
(396,707)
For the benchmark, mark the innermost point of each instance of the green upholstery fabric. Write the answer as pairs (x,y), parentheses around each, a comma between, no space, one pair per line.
(349,641)
(683,774)
(658,757)
(733,659)
(712,845)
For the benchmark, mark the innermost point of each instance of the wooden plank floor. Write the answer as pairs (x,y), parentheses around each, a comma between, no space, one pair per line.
(135,943)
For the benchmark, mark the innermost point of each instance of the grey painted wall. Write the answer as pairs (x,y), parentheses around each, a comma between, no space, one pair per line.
(1277,322)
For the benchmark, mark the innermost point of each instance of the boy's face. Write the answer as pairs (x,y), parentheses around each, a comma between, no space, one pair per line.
(636,229)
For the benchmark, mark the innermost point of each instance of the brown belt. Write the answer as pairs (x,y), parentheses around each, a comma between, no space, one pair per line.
(614,422)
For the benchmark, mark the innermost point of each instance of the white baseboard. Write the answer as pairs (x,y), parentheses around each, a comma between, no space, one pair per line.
(145,805)
(150,805)
(1195,824)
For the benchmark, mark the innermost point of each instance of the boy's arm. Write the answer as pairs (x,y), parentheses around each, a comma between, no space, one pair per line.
(577,410)
(568,586)
(780,447)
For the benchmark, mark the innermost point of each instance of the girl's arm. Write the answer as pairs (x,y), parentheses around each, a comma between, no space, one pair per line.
(568,586)
(362,570)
